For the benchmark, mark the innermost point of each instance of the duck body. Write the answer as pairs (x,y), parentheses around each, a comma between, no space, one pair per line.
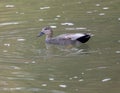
(64,39)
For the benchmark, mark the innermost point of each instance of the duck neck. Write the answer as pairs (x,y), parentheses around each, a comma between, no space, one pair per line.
(49,36)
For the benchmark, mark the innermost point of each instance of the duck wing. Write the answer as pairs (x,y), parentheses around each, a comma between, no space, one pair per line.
(71,36)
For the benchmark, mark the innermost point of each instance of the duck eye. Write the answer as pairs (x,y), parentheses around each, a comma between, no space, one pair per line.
(47,28)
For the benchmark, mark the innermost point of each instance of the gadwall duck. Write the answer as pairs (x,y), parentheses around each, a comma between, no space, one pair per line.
(63,39)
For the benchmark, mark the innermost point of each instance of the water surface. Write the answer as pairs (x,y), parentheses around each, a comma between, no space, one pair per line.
(28,65)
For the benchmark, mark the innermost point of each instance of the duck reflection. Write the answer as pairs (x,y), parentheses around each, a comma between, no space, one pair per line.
(66,50)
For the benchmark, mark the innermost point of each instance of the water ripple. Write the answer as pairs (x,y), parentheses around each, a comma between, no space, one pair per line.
(9,6)
(105,8)
(67,23)
(63,86)
(106,79)
(17,78)
(30,89)
(46,7)
(10,23)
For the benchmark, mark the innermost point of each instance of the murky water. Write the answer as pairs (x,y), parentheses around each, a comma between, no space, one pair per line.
(28,65)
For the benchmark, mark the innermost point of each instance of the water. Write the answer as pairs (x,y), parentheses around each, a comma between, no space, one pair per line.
(28,65)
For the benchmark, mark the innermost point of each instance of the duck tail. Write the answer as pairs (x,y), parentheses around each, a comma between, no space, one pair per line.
(84,38)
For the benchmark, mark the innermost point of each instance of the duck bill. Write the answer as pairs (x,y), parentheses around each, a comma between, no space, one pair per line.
(40,34)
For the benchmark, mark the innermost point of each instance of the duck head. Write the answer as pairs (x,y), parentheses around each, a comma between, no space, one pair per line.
(46,31)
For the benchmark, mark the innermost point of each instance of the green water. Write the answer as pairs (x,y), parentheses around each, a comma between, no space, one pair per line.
(28,65)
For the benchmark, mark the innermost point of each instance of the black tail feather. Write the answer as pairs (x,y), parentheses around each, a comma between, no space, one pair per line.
(84,39)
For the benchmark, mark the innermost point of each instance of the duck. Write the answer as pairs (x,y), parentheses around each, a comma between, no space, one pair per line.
(64,39)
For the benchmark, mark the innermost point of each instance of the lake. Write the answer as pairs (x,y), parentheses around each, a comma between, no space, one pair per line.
(29,65)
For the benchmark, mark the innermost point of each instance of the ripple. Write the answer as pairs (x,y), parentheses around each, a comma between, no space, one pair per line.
(51,79)
(67,23)
(106,79)
(21,13)
(10,6)
(15,67)
(5,51)
(81,28)
(119,19)
(105,8)
(97,68)
(89,12)
(44,85)
(77,28)
(117,52)
(97,4)
(43,8)
(16,88)
(57,91)
(55,18)
(101,14)
(33,62)
(41,19)
(75,77)
(53,26)
(102,67)
(9,23)
(81,80)
(20,39)
(63,86)
(58,16)
(7,44)
(20,78)
(79,2)
(34,89)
